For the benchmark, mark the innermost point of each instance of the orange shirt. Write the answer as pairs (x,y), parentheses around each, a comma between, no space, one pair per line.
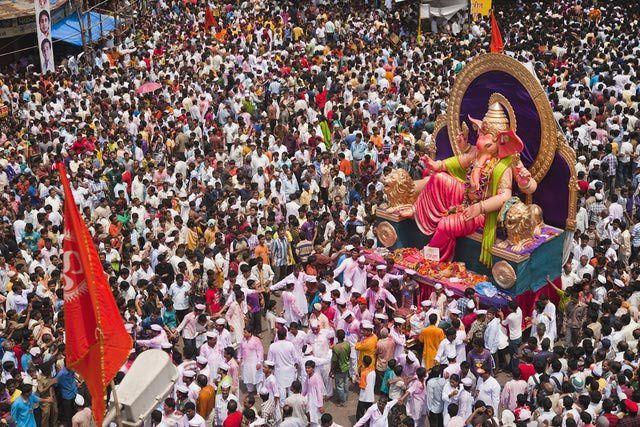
(263,252)
(345,167)
(430,338)
(206,401)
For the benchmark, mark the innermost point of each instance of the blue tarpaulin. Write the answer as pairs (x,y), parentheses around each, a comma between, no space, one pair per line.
(68,29)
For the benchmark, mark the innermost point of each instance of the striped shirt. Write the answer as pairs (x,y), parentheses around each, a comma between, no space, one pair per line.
(280,252)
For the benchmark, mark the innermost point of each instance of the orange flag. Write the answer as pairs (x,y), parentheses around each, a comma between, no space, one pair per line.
(97,344)
(209,19)
(497,46)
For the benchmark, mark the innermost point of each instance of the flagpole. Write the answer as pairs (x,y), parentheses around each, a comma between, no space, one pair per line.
(419,21)
(116,403)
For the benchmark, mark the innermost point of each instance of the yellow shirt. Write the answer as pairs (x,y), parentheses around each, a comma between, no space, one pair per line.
(367,347)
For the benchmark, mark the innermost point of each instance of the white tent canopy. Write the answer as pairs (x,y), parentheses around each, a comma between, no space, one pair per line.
(445,8)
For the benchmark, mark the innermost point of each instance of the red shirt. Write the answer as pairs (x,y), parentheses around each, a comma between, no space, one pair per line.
(233,420)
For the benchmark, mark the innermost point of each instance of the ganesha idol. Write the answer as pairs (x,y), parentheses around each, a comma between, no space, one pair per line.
(464,193)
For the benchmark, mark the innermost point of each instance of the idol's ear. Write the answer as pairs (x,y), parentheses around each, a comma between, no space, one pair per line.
(509,144)
(477,124)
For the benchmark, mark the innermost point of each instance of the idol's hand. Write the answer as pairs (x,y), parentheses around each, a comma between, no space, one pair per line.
(472,211)
(431,166)
(522,175)
(462,140)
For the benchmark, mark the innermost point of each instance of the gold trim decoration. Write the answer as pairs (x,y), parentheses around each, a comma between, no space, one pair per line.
(504,274)
(498,62)
(569,156)
(386,234)
(441,121)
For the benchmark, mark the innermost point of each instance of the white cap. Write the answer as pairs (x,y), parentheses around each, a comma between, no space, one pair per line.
(189,374)
(467,382)
(212,334)
(399,320)
(481,312)
(183,389)
(348,284)
(438,286)
(200,307)
(311,279)
(314,324)
(409,271)
(349,247)
(448,293)
(166,346)
(602,279)
(618,283)
(426,303)
(451,353)
(220,321)
(269,363)
(361,258)
(34,351)
(341,301)
(411,357)
(454,311)
(79,400)
(346,314)
(367,325)
(317,306)
(223,366)
(381,267)
(326,298)
(281,320)
(471,305)
(599,197)
(202,360)
(381,316)
(156,327)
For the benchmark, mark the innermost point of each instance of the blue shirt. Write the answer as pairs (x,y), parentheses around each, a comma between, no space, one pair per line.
(25,361)
(22,411)
(67,384)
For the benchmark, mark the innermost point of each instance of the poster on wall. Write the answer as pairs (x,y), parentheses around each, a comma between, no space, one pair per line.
(43,27)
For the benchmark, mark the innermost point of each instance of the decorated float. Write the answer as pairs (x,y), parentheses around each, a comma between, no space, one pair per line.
(497,208)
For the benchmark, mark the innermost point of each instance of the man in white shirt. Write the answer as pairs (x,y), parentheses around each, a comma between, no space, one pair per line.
(377,415)
(488,389)
(513,323)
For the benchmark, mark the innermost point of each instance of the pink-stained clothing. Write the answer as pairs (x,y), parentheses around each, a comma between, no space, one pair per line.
(510,393)
(292,313)
(155,342)
(356,277)
(188,326)
(251,355)
(416,404)
(363,315)
(314,391)
(234,373)
(399,339)
(235,318)
(298,341)
(441,193)
(382,294)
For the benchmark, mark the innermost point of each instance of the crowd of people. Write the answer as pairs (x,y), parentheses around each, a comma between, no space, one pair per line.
(232,209)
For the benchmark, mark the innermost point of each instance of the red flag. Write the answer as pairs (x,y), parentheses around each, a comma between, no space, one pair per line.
(97,345)
(496,38)
(209,19)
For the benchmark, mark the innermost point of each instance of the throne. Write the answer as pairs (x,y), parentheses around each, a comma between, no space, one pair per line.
(546,155)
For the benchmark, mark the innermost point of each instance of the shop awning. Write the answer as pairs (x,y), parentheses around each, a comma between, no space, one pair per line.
(68,29)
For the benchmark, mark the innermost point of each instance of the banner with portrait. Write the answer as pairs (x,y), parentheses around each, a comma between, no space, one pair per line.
(43,26)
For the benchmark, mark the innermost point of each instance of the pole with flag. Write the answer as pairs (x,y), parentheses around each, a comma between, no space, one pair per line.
(497,46)
(97,344)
